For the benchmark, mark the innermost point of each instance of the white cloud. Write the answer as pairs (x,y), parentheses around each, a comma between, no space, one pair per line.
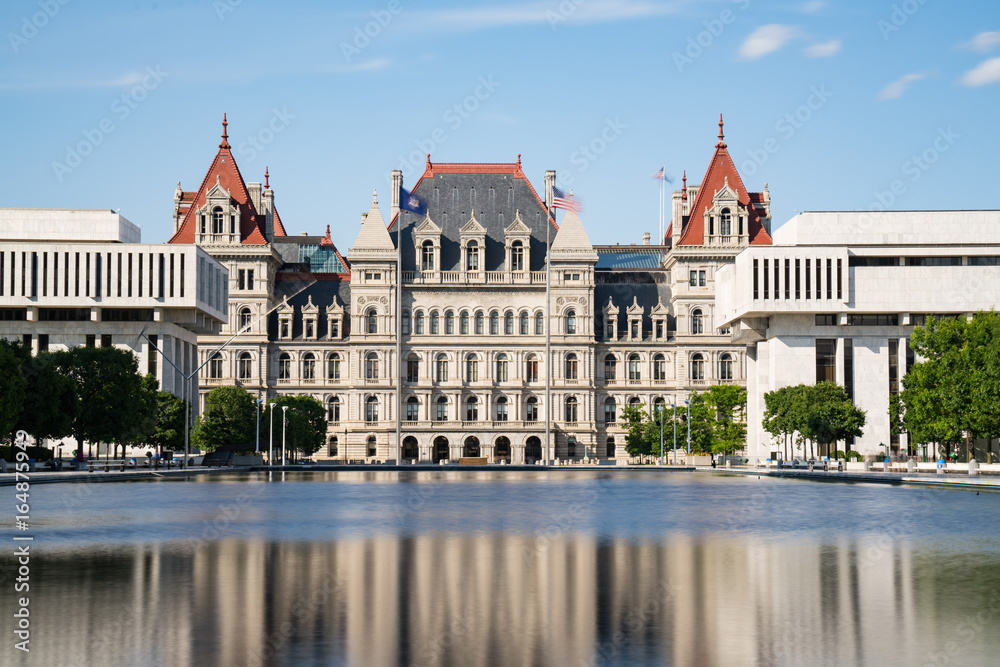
(896,89)
(812,6)
(540,13)
(984,42)
(767,39)
(984,73)
(823,50)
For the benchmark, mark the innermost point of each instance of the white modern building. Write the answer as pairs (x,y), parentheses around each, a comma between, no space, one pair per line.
(836,299)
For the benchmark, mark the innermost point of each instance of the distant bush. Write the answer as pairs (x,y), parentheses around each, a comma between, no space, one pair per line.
(854,455)
(839,454)
(34,452)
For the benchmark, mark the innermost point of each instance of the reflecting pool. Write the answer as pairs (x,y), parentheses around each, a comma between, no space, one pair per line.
(509,568)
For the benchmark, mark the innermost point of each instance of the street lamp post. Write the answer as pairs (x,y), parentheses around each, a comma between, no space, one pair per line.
(659,415)
(284,420)
(259,401)
(688,404)
(674,408)
(270,446)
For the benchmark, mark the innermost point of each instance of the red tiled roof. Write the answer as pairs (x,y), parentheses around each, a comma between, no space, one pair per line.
(279,229)
(670,232)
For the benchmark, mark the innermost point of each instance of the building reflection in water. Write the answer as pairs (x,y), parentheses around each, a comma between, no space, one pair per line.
(501,599)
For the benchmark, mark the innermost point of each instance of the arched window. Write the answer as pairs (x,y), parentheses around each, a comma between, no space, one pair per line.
(463,323)
(371,366)
(531,409)
(494,323)
(372,446)
(610,367)
(244,366)
(634,367)
(441,368)
(435,328)
(218,220)
(697,326)
(308,366)
(531,368)
(333,445)
(508,324)
(472,256)
(725,223)
(539,324)
(245,318)
(441,409)
(215,366)
(418,322)
(412,409)
(611,448)
(472,409)
(502,409)
(725,367)
(371,409)
(634,402)
(472,368)
(659,367)
(333,410)
(610,413)
(284,366)
(516,256)
(479,323)
(571,321)
(371,321)
(571,366)
(333,366)
(658,406)
(501,369)
(571,413)
(427,256)
(524,324)
(697,367)
(405,322)
(449,322)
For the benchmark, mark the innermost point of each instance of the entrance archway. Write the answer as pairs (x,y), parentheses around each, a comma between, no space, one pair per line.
(441,452)
(471,448)
(501,449)
(410,449)
(532,450)
(611,448)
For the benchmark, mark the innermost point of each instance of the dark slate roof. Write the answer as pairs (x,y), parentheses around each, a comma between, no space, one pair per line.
(322,293)
(308,253)
(629,257)
(496,192)
(621,295)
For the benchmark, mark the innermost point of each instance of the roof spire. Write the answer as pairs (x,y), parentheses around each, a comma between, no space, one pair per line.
(428,160)
(518,159)
(684,186)
(722,136)
(267,176)
(374,198)
(225,135)
(327,241)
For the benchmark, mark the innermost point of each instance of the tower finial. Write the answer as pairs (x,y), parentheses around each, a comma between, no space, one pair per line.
(428,160)
(684,186)
(225,134)
(374,198)
(267,177)
(722,136)
(327,241)
(518,159)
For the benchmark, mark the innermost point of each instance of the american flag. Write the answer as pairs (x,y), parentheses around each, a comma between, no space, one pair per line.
(560,200)
(661,175)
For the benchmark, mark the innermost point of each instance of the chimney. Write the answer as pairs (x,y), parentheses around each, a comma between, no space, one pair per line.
(254,191)
(397,183)
(550,183)
(303,233)
(645,238)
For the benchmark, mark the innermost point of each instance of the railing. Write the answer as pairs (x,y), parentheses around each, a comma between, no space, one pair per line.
(634,382)
(474,277)
(333,380)
(285,381)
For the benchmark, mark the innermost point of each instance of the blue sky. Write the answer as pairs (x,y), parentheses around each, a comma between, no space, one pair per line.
(836,105)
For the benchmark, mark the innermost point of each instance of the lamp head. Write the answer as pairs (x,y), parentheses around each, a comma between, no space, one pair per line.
(284,408)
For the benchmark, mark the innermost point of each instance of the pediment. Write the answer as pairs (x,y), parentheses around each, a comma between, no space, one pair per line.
(726,194)
(427,227)
(472,227)
(635,308)
(517,228)
(310,308)
(286,308)
(659,308)
(334,308)
(611,308)
(218,192)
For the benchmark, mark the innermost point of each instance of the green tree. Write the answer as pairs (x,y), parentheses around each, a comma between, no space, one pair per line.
(701,416)
(305,430)
(168,433)
(11,388)
(637,442)
(831,414)
(729,404)
(144,414)
(50,400)
(230,419)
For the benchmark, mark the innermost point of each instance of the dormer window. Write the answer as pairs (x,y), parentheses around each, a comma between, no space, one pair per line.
(472,256)
(517,256)
(427,256)
(218,220)
(725,222)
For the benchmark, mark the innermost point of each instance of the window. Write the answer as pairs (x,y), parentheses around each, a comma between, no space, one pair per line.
(610,367)
(371,409)
(286,328)
(571,410)
(697,367)
(284,366)
(441,368)
(405,323)
(502,409)
(427,256)
(609,330)
(531,409)
(725,367)
(371,366)
(524,324)
(501,368)
(333,410)
(333,367)
(539,324)
(659,329)
(214,366)
(371,321)
(508,324)
(516,256)
(218,220)
(412,369)
(494,324)
(659,367)
(479,323)
(310,328)
(333,445)
(571,321)
(634,330)
(697,325)
(372,445)
(245,318)
(826,360)
(873,320)
(634,367)
(245,366)
(441,409)
(756,292)
(463,323)
(725,223)
(854,260)
(571,366)
(471,368)
(435,327)
(826,320)
(472,256)
(610,415)
(334,328)
(418,322)
(412,409)
(693,278)
(449,322)
(531,369)
(472,409)
(245,279)
(308,366)
(934,261)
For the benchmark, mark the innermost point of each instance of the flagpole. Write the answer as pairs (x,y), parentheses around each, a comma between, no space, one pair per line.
(548,344)
(399,331)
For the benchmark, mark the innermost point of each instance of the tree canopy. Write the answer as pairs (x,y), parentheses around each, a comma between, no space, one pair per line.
(305,430)
(230,419)
(819,414)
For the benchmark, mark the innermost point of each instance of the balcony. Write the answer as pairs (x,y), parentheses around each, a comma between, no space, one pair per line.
(474,277)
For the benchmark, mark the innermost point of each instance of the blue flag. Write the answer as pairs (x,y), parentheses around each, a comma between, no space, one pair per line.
(411,202)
